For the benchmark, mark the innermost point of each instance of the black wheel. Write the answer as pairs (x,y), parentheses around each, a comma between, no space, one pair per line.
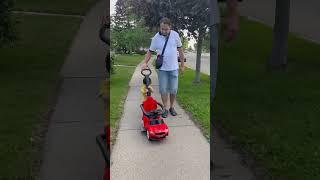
(142,129)
(148,136)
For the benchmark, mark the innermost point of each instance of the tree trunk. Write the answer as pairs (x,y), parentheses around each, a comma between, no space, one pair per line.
(199,51)
(278,59)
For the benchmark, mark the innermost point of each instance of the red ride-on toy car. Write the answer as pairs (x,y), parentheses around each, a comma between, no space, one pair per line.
(152,123)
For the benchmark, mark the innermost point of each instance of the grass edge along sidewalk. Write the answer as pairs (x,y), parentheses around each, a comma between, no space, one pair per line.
(119,86)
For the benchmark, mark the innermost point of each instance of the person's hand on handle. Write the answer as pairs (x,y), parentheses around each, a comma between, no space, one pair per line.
(144,66)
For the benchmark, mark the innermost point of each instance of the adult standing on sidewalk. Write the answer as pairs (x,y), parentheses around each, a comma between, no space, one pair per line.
(168,73)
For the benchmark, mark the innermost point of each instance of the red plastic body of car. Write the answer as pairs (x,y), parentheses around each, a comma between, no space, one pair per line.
(159,131)
(156,128)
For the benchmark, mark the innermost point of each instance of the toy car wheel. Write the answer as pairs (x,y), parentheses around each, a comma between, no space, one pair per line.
(148,135)
(142,129)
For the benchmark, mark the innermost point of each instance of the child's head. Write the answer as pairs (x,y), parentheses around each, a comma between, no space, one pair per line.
(145,81)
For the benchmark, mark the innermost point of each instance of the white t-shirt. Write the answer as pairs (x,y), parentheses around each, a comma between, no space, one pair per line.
(170,57)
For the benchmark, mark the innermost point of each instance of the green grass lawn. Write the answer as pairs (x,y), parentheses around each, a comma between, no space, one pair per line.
(28,75)
(195,98)
(119,89)
(128,60)
(55,6)
(274,116)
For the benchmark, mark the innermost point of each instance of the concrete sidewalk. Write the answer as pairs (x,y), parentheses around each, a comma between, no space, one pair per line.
(71,152)
(185,154)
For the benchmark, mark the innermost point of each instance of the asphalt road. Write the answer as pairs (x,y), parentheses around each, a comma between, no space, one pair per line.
(205,61)
(304,15)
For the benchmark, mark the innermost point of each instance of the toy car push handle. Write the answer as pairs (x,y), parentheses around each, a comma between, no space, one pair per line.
(150,113)
(144,112)
(148,93)
(146,72)
(160,106)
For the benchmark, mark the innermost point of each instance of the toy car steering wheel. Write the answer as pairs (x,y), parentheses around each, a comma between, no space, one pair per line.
(146,72)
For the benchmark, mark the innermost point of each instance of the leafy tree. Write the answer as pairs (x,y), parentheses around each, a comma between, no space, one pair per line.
(127,32)
(184,14)
(130,39)
(184,40)
(206,43)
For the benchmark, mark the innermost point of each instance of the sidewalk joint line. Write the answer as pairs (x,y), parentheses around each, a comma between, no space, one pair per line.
(47,14)
(84,77)
(66,122)
(75,122)
(120,65)
(128,129)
